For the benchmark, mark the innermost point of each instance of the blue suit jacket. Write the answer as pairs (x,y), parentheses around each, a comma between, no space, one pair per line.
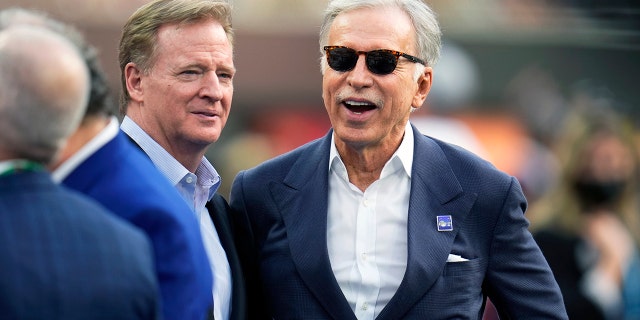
(281,219)
(63,256)
(125,181)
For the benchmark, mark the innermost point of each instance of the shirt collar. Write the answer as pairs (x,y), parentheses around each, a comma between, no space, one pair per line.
(11,166)
(208,177)
(402,157)
(102,138)
(405,151)
(166,163)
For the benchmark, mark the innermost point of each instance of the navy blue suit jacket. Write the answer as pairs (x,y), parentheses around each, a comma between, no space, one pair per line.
(63,256)
(125,181)
(281,219)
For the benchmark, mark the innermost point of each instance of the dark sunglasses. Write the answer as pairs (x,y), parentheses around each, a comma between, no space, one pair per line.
(381,61)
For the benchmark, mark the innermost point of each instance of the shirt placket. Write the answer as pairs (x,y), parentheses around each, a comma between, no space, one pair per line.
(365,255)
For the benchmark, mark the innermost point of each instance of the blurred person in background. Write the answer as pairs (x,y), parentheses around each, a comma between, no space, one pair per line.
(376,220)
(588,226)
(62,255)
(100,161)
(177,72)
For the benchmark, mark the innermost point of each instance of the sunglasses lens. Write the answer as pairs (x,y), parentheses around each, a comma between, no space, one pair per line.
(381,61)
(342,59)
(378,61)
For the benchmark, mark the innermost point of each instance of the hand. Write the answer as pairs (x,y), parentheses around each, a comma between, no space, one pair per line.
(613,241)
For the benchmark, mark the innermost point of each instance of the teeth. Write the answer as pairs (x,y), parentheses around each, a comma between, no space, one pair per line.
(358,112)
(357,103)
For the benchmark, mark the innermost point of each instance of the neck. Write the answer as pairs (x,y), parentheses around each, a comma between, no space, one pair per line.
(188,154)
(190,158)
(88,129)
(364,165)
(6,154)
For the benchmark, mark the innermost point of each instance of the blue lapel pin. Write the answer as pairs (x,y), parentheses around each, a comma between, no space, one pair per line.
(445,223)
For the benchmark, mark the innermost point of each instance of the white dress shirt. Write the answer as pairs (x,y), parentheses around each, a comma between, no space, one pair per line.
(367,231)
(196,189)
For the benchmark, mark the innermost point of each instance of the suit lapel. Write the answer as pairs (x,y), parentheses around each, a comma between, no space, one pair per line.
(435,191)
(302,200)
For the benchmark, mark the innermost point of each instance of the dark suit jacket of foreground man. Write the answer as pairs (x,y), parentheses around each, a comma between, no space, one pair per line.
(62,256)
(281,215)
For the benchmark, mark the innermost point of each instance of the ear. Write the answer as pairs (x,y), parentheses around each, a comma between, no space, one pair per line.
(424,86)
(133,80)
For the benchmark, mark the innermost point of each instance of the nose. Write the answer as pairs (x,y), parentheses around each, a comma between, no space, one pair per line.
(211,88)
(360,76)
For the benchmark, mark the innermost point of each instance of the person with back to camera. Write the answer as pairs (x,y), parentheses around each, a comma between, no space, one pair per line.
(177,70)
(375,220)
(62,255)
(100,161)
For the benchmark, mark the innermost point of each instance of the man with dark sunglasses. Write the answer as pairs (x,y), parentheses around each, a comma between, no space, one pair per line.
(375,220)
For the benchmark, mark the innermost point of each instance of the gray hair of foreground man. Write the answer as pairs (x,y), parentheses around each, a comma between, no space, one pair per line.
(428,34)
(139,34)
(44,88)
(100,100)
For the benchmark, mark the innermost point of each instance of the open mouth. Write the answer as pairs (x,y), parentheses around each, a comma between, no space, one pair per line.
(359,107)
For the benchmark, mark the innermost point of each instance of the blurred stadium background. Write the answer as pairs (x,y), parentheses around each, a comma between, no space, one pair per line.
(509,73)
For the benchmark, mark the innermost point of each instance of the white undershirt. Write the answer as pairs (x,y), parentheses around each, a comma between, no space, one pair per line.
(367,231)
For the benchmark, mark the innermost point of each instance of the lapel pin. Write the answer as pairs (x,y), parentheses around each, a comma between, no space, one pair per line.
(445,223)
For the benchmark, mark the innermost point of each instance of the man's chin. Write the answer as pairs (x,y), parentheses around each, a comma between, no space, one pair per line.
(203,140)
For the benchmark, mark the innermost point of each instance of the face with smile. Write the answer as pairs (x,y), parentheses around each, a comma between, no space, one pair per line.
(184,100)
(368,110)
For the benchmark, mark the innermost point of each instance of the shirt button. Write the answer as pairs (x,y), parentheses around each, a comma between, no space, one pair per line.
(366,202)
(189,179)
(364,256)
(365,306)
